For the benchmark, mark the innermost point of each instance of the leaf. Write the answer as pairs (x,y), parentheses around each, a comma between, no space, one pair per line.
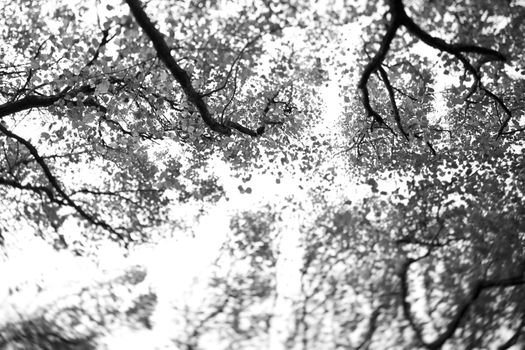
(373,183)
(102,87)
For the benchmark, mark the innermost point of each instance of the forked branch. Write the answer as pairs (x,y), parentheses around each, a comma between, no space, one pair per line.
(461,310)
(399,18)
(55,192)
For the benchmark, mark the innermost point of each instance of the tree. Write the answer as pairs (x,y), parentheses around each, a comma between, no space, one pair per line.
(408,201)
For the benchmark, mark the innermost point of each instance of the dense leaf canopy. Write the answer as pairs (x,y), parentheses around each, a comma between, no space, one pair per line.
(336,174)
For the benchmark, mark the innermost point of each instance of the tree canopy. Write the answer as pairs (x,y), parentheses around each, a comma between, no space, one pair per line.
(336,174)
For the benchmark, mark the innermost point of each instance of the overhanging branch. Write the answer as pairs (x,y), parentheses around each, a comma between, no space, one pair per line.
(462,309)
(373,66)
(399,18)
(54,183)
(39,101)
(180,75)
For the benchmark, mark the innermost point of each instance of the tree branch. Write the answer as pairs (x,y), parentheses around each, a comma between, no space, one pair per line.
(53,182)
(372,326)
(28,102)
(477,289)
(228,75)
(103,42)
(35,188)
(180,75)
(392,96)
(374,65)
(38,101)
(399,18)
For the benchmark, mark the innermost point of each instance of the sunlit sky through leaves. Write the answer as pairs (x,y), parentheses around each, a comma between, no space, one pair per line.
(190,248)
(178,268)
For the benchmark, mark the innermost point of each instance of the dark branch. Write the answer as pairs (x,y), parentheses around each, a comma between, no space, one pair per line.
(462,309)
(180,75)
(374,65)
(399,18)
(38,101)
(392,96)
(53,181)
(35,188)
(103,42)
(28,102)
(508,113)
(372,326)
(240,128)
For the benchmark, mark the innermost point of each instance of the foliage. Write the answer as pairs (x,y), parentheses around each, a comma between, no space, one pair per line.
(391,134)
(78,320)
